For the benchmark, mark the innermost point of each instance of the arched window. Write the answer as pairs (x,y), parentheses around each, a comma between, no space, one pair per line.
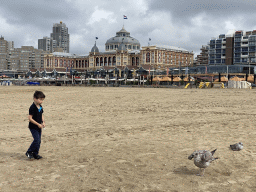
(109,61)
(133,61)
(97,61)
(101,61)
(105,61)
(137,61)
(148,57)
(114,60)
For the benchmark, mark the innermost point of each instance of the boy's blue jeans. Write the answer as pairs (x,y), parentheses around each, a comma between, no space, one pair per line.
(35,145)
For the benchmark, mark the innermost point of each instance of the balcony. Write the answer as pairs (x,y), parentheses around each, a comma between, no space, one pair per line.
(244,40)
(244,45)
(238,35)
(244,56)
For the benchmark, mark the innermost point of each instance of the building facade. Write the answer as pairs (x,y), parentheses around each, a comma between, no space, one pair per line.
(46,44)
(165,56)
(5,48)
(237,48)
(61,36)
(122,51)
(25,58)
(202,58)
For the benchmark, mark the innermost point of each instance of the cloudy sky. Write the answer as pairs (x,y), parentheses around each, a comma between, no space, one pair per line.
(188,24)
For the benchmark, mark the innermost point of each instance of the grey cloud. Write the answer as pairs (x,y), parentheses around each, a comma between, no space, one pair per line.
(175,28)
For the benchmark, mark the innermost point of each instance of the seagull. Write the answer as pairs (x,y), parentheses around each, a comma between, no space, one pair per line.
(202,159)
(237,147)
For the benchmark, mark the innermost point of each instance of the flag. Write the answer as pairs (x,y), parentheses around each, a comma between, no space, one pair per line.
(96,37)
(205,70)
(149,39)
(125,17)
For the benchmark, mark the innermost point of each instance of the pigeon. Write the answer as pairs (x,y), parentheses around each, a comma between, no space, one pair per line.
(237,147)
(202,159)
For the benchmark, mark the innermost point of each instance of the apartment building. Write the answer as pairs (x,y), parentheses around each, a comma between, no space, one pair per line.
(5,47)
(46,44)
(238,48)
(61,36)
(217,50)
(244,47)
(202,58)
(25,58)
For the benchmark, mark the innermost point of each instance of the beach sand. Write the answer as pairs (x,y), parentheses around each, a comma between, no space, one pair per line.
(128,139)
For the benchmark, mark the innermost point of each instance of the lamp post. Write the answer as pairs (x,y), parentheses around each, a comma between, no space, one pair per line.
(249,66)
(179,73)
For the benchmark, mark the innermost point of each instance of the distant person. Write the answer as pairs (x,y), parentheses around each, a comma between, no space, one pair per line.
(36,124)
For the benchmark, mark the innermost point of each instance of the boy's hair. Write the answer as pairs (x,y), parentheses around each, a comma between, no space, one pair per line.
(39,94)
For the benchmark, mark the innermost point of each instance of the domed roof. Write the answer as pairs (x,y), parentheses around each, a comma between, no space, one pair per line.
(122,47)
(130,40)
(95,48)
(123,31)
(122,36)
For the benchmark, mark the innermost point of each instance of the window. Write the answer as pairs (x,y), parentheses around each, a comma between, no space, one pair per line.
(148,57)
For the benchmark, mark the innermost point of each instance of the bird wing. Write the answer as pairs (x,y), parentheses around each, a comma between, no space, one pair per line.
(207,156)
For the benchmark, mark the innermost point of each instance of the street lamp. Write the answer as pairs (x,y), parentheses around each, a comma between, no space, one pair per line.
(179,73)
(249,66)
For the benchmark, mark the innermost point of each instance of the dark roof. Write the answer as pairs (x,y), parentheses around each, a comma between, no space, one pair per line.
(95,48)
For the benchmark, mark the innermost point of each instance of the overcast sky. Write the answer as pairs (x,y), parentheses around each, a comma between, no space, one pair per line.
(188,24)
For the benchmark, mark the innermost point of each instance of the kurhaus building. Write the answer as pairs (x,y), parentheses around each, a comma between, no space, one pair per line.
(122,50)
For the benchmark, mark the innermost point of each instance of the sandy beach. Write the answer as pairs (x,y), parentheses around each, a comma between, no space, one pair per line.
(107,139)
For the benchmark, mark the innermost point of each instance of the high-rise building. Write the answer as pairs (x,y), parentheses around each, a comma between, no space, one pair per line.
(244,47)
(217,50)
(46,44)
(60,34)
(237,48)
(5,47)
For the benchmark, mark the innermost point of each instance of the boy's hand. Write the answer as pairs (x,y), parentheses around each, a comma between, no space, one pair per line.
(40,126)
(43,124)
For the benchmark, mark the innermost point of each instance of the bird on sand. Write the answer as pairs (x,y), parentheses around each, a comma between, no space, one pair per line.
(237,147)
(202,159)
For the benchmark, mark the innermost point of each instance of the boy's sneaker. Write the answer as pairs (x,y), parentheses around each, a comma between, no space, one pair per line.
(29,155)
(36,156)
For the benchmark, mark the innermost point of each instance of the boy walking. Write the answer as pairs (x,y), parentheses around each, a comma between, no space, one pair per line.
(36,123)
